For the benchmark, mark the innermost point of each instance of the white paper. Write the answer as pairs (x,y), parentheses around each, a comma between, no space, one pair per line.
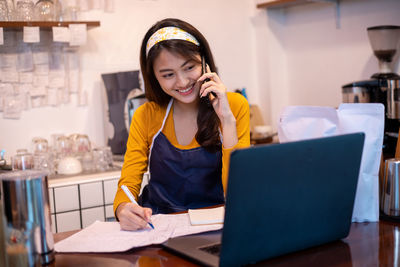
(40,57)
(26,77)
(25,60)
(6,89)
(42,69)
(8,60)
(41,80)
(65,95)
(73,81)
(206,216)
(37,101)
(24,100)
(12,107)
(24,88)
(53,96)
(31,35)
(1,36)
(78,34)
(82,98)
(38,91)
(56,78)
(61,34)
(108,237)
(72,56)
(10,76)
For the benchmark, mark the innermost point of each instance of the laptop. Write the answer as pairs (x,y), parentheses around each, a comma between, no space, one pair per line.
(281,198)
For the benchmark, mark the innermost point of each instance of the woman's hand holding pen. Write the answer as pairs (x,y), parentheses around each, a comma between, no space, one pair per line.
(132,216)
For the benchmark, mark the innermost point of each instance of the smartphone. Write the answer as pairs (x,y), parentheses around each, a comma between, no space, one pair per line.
(204,70)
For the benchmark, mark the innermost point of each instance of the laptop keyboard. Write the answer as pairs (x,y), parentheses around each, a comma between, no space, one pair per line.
(213,249)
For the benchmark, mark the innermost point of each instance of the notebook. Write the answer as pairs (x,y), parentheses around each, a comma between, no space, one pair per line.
(281,198)
(206,216)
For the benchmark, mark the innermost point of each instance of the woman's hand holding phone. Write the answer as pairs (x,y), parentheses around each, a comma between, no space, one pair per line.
(213,88)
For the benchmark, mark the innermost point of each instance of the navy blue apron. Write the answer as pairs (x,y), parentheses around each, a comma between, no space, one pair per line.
(181,179)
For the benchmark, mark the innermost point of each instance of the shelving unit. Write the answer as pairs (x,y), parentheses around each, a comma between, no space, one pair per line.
(275,4)
(46,24)
(287,3)
(281,3)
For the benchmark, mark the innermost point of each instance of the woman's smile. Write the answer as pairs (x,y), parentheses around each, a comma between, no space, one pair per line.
(186,91)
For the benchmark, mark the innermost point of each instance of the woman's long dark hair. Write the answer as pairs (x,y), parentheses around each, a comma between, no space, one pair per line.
(207,120)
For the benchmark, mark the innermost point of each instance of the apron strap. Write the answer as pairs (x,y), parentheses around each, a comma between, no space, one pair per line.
(158,132)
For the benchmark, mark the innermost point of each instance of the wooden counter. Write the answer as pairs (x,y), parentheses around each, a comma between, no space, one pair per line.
(368,244)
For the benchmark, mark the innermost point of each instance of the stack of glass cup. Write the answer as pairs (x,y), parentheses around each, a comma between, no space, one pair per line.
(78,146)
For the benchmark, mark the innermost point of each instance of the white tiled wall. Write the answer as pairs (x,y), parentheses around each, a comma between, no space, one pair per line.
(68,221)
(109,212)
(110,187)
(77,206)
(91,215)
(66,198)
(91,194)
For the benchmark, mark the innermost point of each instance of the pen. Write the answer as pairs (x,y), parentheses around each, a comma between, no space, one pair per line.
(132,199)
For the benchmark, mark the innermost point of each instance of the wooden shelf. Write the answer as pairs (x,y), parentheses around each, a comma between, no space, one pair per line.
(280,3)
(46,24)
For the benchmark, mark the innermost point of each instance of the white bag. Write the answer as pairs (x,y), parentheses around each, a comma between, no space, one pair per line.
(301,122)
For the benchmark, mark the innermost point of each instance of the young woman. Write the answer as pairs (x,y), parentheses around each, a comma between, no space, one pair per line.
(185,133)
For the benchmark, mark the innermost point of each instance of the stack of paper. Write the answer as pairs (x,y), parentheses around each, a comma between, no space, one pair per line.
(207,216)
(108,237)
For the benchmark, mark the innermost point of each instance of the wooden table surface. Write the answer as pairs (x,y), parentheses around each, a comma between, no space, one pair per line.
(368,244)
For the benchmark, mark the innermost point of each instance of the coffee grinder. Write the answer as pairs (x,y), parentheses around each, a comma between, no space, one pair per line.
(383,87)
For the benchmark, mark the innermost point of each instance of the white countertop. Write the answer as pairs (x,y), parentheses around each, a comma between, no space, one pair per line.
(81,178)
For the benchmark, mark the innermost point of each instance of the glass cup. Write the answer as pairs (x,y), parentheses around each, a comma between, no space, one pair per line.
(20,245)
(45,10)
(63,146)
(22,161)
(87,162)
(40,145)
(108,156)
(4,13)
(24,10)
(80,143)
(22,151)
(43,161)
(99,160)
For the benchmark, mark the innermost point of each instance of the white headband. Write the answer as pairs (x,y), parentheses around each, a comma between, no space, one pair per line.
(169,33)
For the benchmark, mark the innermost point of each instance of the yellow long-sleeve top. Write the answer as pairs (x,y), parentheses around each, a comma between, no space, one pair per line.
(147,121)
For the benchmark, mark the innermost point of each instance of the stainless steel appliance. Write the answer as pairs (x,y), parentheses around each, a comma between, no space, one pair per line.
(383,87)
(390,190)
(25,199)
